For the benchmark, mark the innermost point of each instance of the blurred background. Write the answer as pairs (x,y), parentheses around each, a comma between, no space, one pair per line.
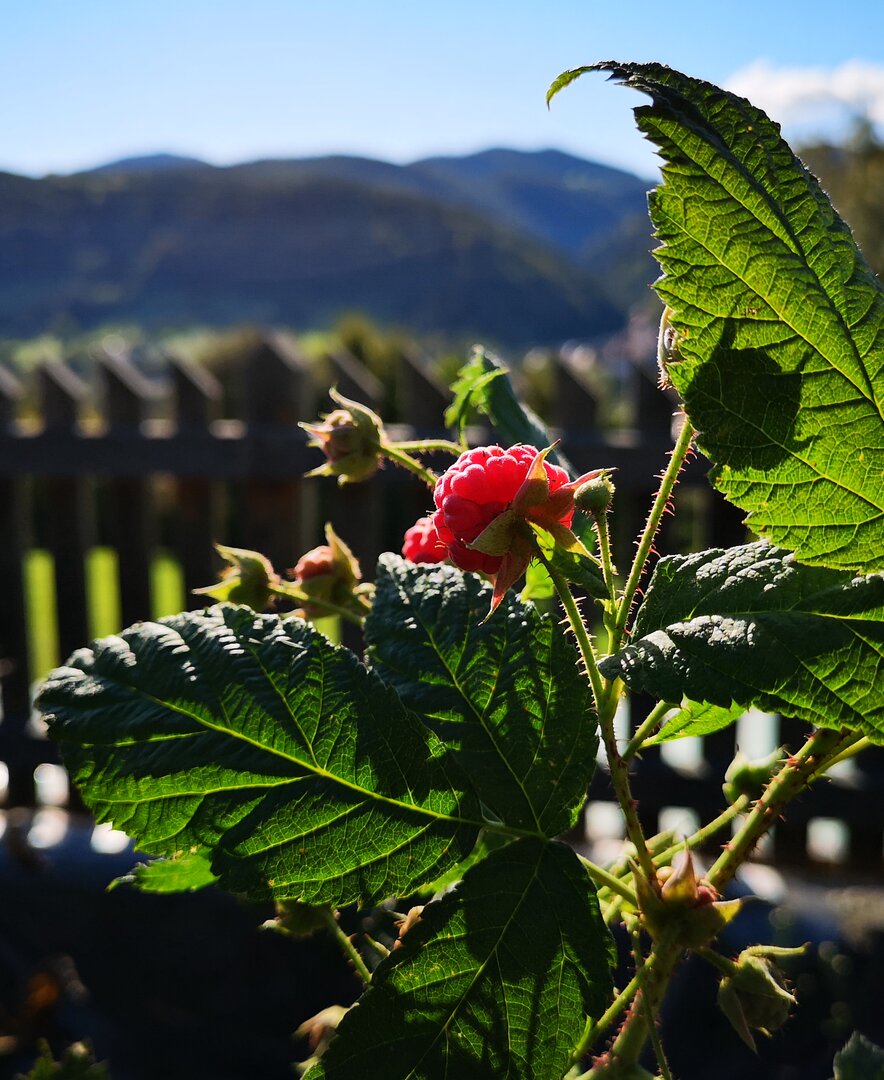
(210,214)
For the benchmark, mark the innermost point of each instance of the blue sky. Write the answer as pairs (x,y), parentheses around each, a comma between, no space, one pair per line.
(86,82)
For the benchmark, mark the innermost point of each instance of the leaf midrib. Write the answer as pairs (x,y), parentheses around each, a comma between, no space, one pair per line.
(480,716)
(315,769)
(492,953)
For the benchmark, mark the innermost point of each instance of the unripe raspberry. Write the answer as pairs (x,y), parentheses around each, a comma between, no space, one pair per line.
(422,543)
(327,574)
(320,560)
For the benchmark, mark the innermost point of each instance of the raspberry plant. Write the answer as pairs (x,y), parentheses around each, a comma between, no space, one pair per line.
(248,749)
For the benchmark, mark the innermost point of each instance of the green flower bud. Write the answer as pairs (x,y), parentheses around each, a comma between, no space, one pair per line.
(745,777)
(681,903)
(755,997)
(595,496)
(351,439)
(249,578)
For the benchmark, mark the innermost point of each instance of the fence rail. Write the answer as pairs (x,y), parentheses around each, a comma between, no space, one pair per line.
(158,469)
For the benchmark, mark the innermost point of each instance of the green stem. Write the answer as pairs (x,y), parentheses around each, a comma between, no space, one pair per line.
(608,571)
(650,1012)
(382,950)
(578,627)
(594,1029)
(606,704)
(346,945)
(429,446)
(605,878)
(653,979)
(853,748)
(811,760)
(663,855)
(394,453)
(667,484)
(649,725)
(293,593)
(739,806)
(721,963)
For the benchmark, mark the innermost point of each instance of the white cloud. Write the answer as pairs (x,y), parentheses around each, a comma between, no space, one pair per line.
(813,97)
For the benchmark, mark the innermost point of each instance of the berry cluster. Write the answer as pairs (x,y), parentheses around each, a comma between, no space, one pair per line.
(480,486)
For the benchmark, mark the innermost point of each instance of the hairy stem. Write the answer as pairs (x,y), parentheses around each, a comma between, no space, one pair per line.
(739,806)
(608,571)
(430,446)
(812,759)
(395,453)
(663,854)
(650,1012)
(578,628)
(646,540)
(606,706)
(849,751)
(647,728)
(346,945)
(653,980)
(596,1028)
(605,878)
(721,963)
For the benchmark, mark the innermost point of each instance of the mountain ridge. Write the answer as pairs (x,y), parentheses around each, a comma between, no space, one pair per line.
(492,244)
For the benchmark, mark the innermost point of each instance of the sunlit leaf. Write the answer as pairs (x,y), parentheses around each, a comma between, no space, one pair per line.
(254,737)
(776,323)
(506,695)
(751,626)
(495,979)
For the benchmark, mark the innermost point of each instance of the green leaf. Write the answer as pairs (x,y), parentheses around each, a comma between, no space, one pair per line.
(495,980)
(754,627)
(255,737)
(776,323)
(187,872)
(695,718)
(78,1063)
(506,695)
(860,1059)
(483,384)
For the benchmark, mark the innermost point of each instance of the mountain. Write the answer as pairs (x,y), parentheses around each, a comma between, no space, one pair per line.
(151,163)
(501,245)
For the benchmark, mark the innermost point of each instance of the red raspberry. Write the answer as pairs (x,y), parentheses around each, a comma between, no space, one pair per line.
(480,486)
(422,544)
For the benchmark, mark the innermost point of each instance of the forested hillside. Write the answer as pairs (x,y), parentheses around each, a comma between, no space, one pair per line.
(506,245)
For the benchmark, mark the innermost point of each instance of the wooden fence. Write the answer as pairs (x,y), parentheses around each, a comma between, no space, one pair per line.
(158,468)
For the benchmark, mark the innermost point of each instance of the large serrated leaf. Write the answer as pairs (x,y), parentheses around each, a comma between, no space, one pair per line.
(256,738)
(495,980)
(754,627)
(506,695)
(777,323)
